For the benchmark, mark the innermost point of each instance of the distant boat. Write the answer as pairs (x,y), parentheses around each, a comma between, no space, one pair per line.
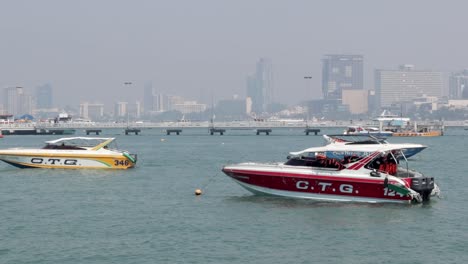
(409,149)
(402,126)
(360,130)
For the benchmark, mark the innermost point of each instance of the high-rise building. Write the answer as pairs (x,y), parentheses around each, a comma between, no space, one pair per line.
(356,100)
(406,84)
(16,101)
(120,109)
(135,109)
(260,86)
(189,107)
(91,111)
(44,96)
(161,103)
(148,94)
(458,85)
(341,72)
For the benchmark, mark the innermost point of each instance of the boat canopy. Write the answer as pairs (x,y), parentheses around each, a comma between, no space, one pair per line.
(354,139)
(91,142)
(339,151)
(342,147)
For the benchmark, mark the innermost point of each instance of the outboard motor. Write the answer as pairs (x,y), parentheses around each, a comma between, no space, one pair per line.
(424,186)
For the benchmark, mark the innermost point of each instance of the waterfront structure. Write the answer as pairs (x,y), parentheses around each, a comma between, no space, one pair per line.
(458,85)
(44,96)
(161,103)
(189,107)
(234,107)
(458,104)
(260,86)
(248,105)
(339,72)
(93,111)
(429,103)
(16,101)
(148,94)
(135,109)
(406,84)
(120,109)
(356,100)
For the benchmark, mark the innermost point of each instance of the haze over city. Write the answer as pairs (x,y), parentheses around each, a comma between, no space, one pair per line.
(88,49)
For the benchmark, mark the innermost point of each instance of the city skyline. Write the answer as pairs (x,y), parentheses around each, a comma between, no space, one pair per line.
(263,79)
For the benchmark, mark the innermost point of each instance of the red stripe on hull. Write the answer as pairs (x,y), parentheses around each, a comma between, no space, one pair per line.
(316,184)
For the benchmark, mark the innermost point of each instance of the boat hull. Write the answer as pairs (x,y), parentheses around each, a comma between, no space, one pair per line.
(69,161)
(312,185)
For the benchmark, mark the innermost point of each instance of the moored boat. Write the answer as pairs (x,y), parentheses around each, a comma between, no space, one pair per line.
(403,127)
(361,130)
(375,177)
(71,153)
(421,133)
(409,149)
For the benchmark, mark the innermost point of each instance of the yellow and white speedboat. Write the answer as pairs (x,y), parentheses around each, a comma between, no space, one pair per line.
(71,153)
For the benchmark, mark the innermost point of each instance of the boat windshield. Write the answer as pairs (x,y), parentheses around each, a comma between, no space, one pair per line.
(327,159)
(62,146)
(78,143)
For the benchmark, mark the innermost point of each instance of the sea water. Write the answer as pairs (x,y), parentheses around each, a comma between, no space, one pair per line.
(150,214)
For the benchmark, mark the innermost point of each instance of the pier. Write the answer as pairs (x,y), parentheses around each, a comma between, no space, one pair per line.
(267,131)
(311,130)
(132,130)
(170,131)
(95,131)
(217,130)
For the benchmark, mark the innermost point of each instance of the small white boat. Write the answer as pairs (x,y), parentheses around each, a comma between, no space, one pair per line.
(71,153)
(409,149)
(361,130)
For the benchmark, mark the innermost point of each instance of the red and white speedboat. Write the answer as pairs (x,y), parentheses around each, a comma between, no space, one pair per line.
(313,174)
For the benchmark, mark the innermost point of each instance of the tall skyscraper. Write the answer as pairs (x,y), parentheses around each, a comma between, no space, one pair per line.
(341,72)
(406,84)
(458,85)
(260,86)
(44,96)
(148,94)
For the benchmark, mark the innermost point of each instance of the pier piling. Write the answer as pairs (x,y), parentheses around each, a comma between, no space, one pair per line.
(170,131)
(267,131)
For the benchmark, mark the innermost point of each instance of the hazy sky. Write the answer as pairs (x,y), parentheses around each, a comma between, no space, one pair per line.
(88,49)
